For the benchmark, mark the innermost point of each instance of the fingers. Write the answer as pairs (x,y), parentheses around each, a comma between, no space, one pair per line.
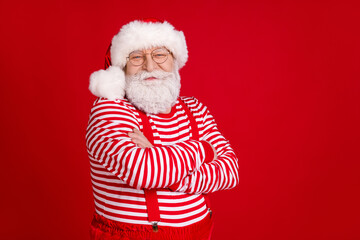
(136,134)
(140,144)
(139,139)
(215,153)
(143,144)
(135,130)
(133,135)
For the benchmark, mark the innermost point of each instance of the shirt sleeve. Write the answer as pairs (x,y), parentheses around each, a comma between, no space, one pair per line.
(219,174)
(108,143)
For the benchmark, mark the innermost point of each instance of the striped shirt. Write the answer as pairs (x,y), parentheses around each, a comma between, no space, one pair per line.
(176,166)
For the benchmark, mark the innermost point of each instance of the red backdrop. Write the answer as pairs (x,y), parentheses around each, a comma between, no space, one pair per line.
(280,77)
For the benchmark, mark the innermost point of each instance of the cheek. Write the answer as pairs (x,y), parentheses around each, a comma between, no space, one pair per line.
(168,66)
(131,70)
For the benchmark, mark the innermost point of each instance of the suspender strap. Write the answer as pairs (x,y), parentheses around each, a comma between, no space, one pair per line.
(194,128)
(152,206)
(195,133)
(151,200)
(147,131)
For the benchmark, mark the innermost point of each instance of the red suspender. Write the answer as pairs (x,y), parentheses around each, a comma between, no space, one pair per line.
(152,203)
(147,131)
(151,200)
(194,128)
(195,133)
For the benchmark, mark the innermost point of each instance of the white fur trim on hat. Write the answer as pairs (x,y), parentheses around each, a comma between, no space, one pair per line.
(139,35)
(109,83)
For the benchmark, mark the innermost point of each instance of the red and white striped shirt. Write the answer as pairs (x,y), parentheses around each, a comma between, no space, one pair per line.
(176,166)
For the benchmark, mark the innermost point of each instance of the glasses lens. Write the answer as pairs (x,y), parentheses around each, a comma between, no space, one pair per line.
(160,55)
(136,58)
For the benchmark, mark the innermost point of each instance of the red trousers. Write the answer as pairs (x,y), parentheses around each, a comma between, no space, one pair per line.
(104,229)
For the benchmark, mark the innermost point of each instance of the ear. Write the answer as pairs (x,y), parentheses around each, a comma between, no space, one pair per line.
(109,83)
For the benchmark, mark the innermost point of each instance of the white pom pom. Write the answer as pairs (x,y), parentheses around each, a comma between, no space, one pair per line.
(109,83)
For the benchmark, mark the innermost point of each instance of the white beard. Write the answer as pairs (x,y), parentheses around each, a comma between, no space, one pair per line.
(153,96)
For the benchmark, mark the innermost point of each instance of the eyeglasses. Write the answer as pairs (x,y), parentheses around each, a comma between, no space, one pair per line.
(159,55)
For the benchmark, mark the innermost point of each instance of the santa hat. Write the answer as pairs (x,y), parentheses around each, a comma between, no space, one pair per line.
(136,35)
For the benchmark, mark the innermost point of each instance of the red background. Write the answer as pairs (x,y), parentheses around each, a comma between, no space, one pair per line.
(280,77)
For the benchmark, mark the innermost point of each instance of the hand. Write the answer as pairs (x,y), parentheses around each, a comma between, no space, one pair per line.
(215,153)
(139,139)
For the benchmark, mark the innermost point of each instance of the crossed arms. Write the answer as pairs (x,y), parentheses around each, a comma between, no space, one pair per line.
(187,166)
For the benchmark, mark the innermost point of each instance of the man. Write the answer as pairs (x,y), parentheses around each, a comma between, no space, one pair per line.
(154,155)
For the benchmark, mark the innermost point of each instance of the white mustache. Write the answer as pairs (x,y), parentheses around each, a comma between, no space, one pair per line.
(158,74)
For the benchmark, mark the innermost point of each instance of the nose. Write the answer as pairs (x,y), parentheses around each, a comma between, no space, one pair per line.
(149,64)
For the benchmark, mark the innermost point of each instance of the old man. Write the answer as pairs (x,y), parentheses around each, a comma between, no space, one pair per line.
(154,155)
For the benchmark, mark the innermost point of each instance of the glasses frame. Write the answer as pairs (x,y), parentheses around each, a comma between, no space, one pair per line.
(151,54)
